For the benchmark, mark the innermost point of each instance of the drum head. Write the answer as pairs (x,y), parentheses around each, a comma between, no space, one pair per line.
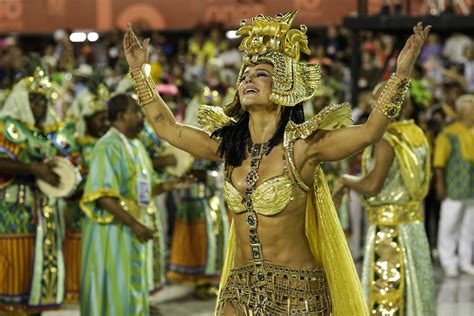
(69,178)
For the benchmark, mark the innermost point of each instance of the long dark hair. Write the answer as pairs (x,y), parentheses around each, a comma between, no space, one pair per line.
(236,137)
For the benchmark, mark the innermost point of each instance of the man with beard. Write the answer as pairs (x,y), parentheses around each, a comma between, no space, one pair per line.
(121,218)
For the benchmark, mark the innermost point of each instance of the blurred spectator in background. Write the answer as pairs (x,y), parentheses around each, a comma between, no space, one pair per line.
(335,44)
(451,92)
(433,47)
(368,71)
(454,163)
(364,106)
(454,47)
(468,67)
(64,51)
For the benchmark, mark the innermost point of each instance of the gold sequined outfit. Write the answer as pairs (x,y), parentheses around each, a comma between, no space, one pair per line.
(277,290)
(290,291)
(397,274)
(271,40)
(334,287)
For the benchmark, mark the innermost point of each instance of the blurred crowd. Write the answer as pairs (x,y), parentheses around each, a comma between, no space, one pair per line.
(209,58)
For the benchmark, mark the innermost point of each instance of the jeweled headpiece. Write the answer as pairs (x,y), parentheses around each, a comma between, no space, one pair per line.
(209,96)
(99,101)
(271,40)
(38,83)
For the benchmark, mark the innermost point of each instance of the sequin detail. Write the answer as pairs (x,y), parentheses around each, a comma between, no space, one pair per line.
(395,214)
(289,291)
(269,198)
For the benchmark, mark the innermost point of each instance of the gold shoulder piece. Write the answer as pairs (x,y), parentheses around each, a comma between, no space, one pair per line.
(212,117)
(405,137)
(410,132)
(330,118)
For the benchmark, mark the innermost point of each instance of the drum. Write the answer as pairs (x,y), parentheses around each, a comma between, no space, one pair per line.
(69,179)
(184,161)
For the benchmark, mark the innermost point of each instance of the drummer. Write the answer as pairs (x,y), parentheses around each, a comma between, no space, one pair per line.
(31,265)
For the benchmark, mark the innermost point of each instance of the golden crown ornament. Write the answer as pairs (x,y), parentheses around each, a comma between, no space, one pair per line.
(38,83)
(99,101)
(271,40)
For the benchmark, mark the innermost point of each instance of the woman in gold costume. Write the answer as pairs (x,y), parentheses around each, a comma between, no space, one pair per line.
(287,253)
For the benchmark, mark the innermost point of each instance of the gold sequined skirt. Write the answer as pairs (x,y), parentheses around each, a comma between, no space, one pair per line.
(287,291)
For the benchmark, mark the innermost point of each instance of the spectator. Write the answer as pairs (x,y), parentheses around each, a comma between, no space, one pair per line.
(454,163)
(454,47)
(433,47)
(468,68)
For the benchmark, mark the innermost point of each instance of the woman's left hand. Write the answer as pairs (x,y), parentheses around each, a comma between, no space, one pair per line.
(409,54)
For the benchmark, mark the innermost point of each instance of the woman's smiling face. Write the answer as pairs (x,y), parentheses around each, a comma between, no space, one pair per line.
(255,86)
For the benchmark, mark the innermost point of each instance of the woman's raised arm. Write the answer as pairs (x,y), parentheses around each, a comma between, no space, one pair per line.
(188,138)
(341,143)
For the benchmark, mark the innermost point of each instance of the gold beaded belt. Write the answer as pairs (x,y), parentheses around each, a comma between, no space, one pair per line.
(288,291)
(395,214)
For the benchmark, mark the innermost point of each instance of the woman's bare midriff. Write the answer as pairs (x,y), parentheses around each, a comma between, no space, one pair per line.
(282,237)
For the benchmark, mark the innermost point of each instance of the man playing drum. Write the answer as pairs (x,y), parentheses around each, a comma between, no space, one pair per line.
(31,260)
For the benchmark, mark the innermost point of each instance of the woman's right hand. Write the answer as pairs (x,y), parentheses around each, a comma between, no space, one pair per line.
(135,53)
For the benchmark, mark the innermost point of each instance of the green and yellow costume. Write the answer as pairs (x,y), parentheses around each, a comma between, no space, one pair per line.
(31,223)
(115,275)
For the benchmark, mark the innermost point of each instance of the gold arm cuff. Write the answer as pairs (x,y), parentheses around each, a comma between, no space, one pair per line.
(143,84)
(391,99)
(395,214)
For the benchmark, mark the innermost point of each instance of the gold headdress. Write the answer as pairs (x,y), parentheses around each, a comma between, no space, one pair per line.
(38,83)
(84,109)
(98,102)
(17,105)
(209,96)
(271,40)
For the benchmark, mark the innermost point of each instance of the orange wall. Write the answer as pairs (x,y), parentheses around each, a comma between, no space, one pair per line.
(37,16)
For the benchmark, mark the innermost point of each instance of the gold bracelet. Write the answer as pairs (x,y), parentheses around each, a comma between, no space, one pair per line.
(393,94)
(143,84)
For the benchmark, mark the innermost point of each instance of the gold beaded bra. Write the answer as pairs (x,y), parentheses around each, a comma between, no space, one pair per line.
(269,198)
